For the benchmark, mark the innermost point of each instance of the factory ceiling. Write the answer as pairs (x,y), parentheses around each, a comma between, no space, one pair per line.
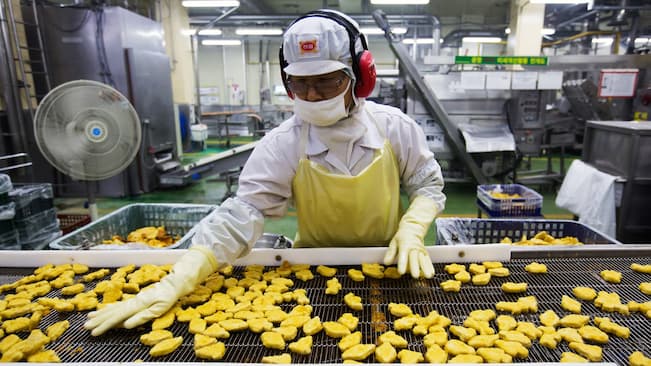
(490,15)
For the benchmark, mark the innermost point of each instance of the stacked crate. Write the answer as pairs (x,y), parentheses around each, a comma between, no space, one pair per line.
(36,219)
(8,233)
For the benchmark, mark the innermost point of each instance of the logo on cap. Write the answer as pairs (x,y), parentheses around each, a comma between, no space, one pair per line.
(308,46)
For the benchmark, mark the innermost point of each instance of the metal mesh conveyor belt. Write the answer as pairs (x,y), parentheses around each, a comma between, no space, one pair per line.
(423,296)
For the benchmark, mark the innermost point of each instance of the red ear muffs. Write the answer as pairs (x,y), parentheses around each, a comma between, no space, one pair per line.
(283,75)
(363,62)
(366,74)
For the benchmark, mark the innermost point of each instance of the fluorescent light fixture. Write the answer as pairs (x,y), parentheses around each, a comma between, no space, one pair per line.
(210,32)
(558,1)
(399,2)
(221,42)
(418,41)
(258,31)
(482,39)
(602,40)
(376,30)
(188,32)
(210,3)
(544,32)
(387,72)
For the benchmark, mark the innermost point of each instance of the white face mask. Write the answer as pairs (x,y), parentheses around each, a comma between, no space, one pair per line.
(322,113)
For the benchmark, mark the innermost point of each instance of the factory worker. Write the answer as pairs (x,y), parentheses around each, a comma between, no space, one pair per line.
(340,160)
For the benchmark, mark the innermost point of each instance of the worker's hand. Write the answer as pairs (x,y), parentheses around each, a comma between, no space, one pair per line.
(197,264)
(408,242)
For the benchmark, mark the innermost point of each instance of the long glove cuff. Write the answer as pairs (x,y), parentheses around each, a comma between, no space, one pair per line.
(193,267)
(420,214)
(211,263)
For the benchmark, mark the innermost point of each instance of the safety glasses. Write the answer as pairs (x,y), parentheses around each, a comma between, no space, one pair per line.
(324,86)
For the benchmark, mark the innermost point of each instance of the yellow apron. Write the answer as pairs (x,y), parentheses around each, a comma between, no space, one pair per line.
(337,210)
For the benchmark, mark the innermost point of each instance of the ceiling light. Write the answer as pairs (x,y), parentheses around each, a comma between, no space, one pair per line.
(221,42)
(482,39)
(558,1)
(188,32)
(387,72)
(376,30)
(210,32)
(399,2)
(258,31)
(210,3)
(418,41)
(548,31)
(602,40)
(507,31)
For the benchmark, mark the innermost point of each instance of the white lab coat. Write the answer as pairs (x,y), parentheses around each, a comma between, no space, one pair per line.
(265,184)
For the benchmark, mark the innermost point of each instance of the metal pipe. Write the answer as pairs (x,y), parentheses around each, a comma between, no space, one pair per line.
(9,88)
(630,47)
(215,20)
(613,7)
(41,46)
(21,62)
(576,19)
(577,36)
(436,35)
(597,9)
(622,12)
(262,74)
(284,19)
(194,49)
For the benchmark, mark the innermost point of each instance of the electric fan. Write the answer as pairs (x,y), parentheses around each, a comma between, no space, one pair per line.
(88,131)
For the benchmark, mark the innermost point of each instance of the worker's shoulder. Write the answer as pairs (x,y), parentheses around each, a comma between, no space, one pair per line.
(285,133)
(393,116)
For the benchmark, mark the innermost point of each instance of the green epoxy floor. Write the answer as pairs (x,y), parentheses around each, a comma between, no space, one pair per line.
(461,200)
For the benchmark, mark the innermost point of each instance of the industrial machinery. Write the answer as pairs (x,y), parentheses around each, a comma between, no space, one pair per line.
(620,149)
(87,131)
(481,125)
(125,51)
(567,268)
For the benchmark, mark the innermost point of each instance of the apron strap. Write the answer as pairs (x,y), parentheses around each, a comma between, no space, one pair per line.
(303,139)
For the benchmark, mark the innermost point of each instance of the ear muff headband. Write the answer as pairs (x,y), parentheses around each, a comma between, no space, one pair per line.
(363,62)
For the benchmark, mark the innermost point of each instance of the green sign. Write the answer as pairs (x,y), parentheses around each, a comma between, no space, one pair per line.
(501,60)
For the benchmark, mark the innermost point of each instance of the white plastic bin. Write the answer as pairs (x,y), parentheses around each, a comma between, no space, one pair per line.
(199,132)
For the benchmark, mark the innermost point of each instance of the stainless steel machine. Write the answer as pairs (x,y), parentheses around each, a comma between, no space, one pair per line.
(621,149)
(124,50)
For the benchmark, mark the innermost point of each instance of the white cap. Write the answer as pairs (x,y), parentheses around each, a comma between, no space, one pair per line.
(317,45)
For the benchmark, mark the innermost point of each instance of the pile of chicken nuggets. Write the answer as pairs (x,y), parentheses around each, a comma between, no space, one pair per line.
(251,302)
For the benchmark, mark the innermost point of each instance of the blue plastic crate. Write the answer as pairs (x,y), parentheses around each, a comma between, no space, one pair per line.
(530,203)
(452,231)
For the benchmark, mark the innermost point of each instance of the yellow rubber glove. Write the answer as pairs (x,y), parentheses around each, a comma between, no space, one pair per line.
(193,267)
(408,242)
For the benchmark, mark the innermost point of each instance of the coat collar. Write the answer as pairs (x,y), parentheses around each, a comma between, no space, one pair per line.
(372,139)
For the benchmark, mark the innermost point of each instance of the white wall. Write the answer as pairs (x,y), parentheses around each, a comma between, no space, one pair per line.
(243,68)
